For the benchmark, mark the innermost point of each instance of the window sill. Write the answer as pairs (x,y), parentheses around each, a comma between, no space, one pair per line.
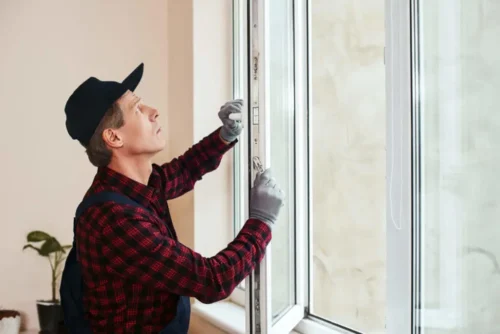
(230,317)
(225,315)
(308,326)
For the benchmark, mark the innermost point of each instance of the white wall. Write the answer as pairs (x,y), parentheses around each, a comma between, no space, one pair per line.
(213,86)
(200,80)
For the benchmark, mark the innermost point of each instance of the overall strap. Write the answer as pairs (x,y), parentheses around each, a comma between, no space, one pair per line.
(101,197)
(72,287)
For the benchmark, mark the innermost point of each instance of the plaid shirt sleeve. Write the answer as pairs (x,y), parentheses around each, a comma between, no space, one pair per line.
(137,250)
(182,173)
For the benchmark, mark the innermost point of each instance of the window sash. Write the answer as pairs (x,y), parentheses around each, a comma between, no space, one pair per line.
(401,141)
(400,147)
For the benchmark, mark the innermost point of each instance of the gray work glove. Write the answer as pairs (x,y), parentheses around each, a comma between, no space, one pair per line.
(266,199)
(230,115)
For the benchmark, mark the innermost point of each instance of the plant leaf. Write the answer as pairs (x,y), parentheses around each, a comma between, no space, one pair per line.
(50,246)
(37,236)
(33,247)
(64,248)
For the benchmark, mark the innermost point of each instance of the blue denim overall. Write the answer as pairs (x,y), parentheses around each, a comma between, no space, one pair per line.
(179,324)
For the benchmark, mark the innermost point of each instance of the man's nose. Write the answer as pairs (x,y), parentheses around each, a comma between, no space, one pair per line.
(154,113)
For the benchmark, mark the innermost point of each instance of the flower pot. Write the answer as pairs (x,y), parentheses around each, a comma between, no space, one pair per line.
(50,316)
(10,322)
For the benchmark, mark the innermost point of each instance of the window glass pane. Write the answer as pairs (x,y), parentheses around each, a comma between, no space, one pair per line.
(282,115)
(459,84)
(348,163)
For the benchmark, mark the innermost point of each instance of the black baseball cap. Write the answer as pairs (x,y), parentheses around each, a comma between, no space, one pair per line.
(87,105)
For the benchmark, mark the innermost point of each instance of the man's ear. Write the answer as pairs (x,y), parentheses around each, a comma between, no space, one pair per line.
(112,138)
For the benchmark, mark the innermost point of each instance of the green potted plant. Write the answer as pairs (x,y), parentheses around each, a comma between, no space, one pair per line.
(47,246)
(10,321)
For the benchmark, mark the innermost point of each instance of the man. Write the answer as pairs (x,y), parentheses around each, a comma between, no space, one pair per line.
(137,276)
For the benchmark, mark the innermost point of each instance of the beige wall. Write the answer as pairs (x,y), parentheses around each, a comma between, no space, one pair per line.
(212,42)
(48,48)
(199,83)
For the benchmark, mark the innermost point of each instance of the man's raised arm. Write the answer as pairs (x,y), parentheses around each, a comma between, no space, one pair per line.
(155,260)
(181,174)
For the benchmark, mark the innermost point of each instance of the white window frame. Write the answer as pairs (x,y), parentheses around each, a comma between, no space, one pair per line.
(297,318)
(290,319)
(446,315)
(240,90)
(400,256)
(402,184)
(402,57)
(398,74)
(259,291)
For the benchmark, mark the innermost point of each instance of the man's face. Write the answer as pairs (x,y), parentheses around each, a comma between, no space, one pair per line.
(141,134)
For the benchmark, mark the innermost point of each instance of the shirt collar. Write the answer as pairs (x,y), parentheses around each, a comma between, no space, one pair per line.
(141,193)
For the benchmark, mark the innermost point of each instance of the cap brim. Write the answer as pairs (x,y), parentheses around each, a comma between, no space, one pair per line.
(132,81)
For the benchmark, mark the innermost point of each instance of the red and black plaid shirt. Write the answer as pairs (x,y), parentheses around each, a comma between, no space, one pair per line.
(133,265)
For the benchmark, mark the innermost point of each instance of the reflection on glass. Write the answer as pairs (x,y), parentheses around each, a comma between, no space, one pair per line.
(459,283)
(281,108)
(348,163)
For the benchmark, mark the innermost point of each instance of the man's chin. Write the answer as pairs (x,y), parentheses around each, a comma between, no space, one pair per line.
(158,149)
